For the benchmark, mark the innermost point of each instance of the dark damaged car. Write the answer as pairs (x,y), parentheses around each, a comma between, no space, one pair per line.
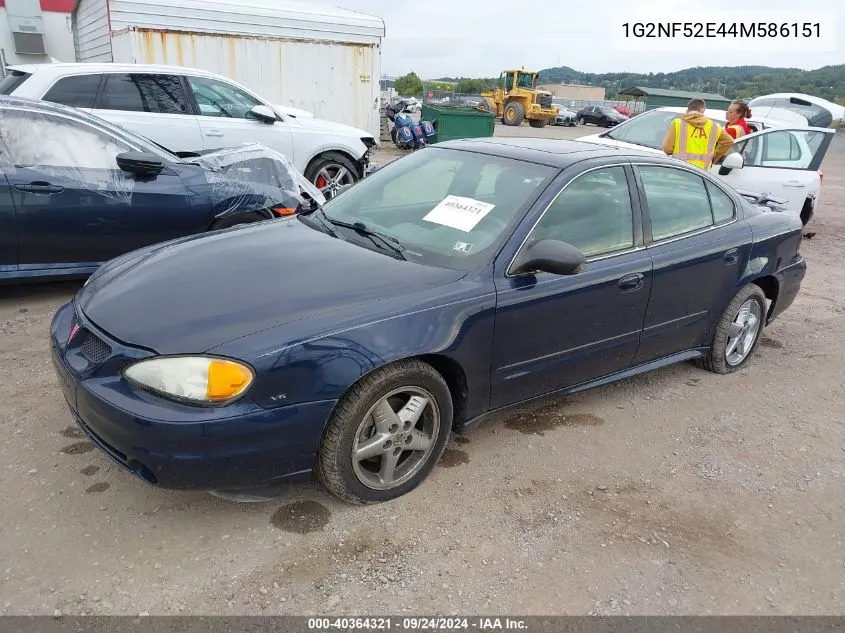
(77,191)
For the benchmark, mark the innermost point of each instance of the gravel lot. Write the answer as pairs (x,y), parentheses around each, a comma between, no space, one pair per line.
(676,492)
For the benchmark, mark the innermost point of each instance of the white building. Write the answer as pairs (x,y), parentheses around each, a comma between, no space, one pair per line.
(300,54)
(33,31)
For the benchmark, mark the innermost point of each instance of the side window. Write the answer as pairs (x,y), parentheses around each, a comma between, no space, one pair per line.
(677,201)
(161,94)
(216,98)
(790,149)
(781,147)
(593,214)
(51,141)
(721,203)
(78,91)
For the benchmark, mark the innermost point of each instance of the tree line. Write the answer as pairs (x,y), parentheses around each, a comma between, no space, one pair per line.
(737,82)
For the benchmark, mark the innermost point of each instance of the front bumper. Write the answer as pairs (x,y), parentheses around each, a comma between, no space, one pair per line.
(172,445)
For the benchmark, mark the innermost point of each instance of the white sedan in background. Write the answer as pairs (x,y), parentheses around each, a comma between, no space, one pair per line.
(782,157)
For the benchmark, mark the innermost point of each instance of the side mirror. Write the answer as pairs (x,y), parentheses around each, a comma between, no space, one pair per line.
(263,114)
(549,256)
(733,161)
(140,163)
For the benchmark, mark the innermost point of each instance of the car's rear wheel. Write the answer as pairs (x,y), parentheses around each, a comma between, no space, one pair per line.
(738,332)
(330,172)
(579,120)
(386,434)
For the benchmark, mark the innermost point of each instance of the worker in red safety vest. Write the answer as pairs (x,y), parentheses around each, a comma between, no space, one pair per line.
(695,139)
(737,114)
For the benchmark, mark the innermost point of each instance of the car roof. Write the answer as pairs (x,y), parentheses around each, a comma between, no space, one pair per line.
(551,152)
(61,68)
(43,106)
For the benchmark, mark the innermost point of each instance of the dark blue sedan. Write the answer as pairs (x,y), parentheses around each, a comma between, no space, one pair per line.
(458,281)
(76,191)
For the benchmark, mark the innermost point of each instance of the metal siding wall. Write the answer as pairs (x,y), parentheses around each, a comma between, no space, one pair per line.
(91,37)
(335,81)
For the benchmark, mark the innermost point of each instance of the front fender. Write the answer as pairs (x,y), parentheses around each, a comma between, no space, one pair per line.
(323,367)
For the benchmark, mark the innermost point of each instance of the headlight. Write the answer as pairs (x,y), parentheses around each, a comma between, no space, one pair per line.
(197,379)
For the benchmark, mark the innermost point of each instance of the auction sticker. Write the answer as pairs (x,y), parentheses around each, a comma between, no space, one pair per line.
(459,213)
(462,247)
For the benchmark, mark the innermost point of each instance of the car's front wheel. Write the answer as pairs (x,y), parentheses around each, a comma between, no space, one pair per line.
(738,332)
(386,434)
(330,172)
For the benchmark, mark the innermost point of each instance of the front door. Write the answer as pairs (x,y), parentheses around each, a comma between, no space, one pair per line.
(554,332)
(8,221)
(699,249)
(75,207)
(225,120)
(782,162)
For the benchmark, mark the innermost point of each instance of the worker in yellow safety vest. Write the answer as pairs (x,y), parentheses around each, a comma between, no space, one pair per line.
(695,139)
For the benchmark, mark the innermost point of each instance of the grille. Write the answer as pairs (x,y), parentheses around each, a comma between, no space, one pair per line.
(95,350)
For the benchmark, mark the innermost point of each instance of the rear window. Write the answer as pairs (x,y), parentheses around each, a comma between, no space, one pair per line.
(10,83)
(162,94)
(77,91)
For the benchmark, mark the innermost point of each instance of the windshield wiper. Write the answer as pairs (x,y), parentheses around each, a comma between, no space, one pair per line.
(387,241)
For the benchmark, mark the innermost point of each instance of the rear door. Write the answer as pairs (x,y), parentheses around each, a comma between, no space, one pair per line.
(783,162)
(155,106)
(699,247)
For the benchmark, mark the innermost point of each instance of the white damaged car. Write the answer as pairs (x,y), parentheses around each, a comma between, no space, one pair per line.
(782,157)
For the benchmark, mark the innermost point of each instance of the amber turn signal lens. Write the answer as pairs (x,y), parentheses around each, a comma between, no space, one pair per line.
(226,379)
(283,211)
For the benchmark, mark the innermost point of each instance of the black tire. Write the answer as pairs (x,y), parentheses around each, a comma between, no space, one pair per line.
(330,161)
(517,114)
(537,122)
(579,120)
(334,466)
(716,359)
(237,219)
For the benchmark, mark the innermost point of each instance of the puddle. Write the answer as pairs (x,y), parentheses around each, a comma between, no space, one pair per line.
(452,458)
(78,448)
(301,517)
(770,342)
(529,424)
(457,439)
(90,471)
(73,432)
(101,486)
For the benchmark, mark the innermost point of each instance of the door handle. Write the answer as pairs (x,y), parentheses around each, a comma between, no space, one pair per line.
(40,187)
(731,257)
(214,133)
(631,282)
(794,184)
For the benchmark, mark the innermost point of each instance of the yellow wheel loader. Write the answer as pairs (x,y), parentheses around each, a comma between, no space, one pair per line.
(516,99)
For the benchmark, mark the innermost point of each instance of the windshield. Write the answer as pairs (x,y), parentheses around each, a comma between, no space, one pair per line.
(10,83)
(445,207)
(647,129)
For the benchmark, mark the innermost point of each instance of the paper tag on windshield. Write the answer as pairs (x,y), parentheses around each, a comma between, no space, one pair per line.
(459,213)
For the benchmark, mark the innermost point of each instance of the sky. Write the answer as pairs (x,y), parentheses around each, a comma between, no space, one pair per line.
(437,38)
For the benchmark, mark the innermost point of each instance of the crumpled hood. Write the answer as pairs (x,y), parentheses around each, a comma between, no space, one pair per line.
(322,125)
(197,293)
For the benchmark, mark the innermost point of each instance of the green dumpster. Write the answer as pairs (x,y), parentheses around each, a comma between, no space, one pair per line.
(458,122)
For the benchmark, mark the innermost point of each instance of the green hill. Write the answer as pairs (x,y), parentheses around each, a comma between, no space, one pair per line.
(742,81)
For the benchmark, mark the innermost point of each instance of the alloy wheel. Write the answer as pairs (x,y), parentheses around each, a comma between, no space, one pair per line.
(331,178)
(395,438)
(743,332)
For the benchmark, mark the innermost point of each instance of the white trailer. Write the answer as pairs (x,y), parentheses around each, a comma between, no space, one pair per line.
(296,54)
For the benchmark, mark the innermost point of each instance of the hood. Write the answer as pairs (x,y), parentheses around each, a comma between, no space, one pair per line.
(323,125)
(294,112)
(194,294)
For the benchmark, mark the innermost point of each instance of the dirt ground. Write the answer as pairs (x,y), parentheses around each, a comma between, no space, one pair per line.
(678,492)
